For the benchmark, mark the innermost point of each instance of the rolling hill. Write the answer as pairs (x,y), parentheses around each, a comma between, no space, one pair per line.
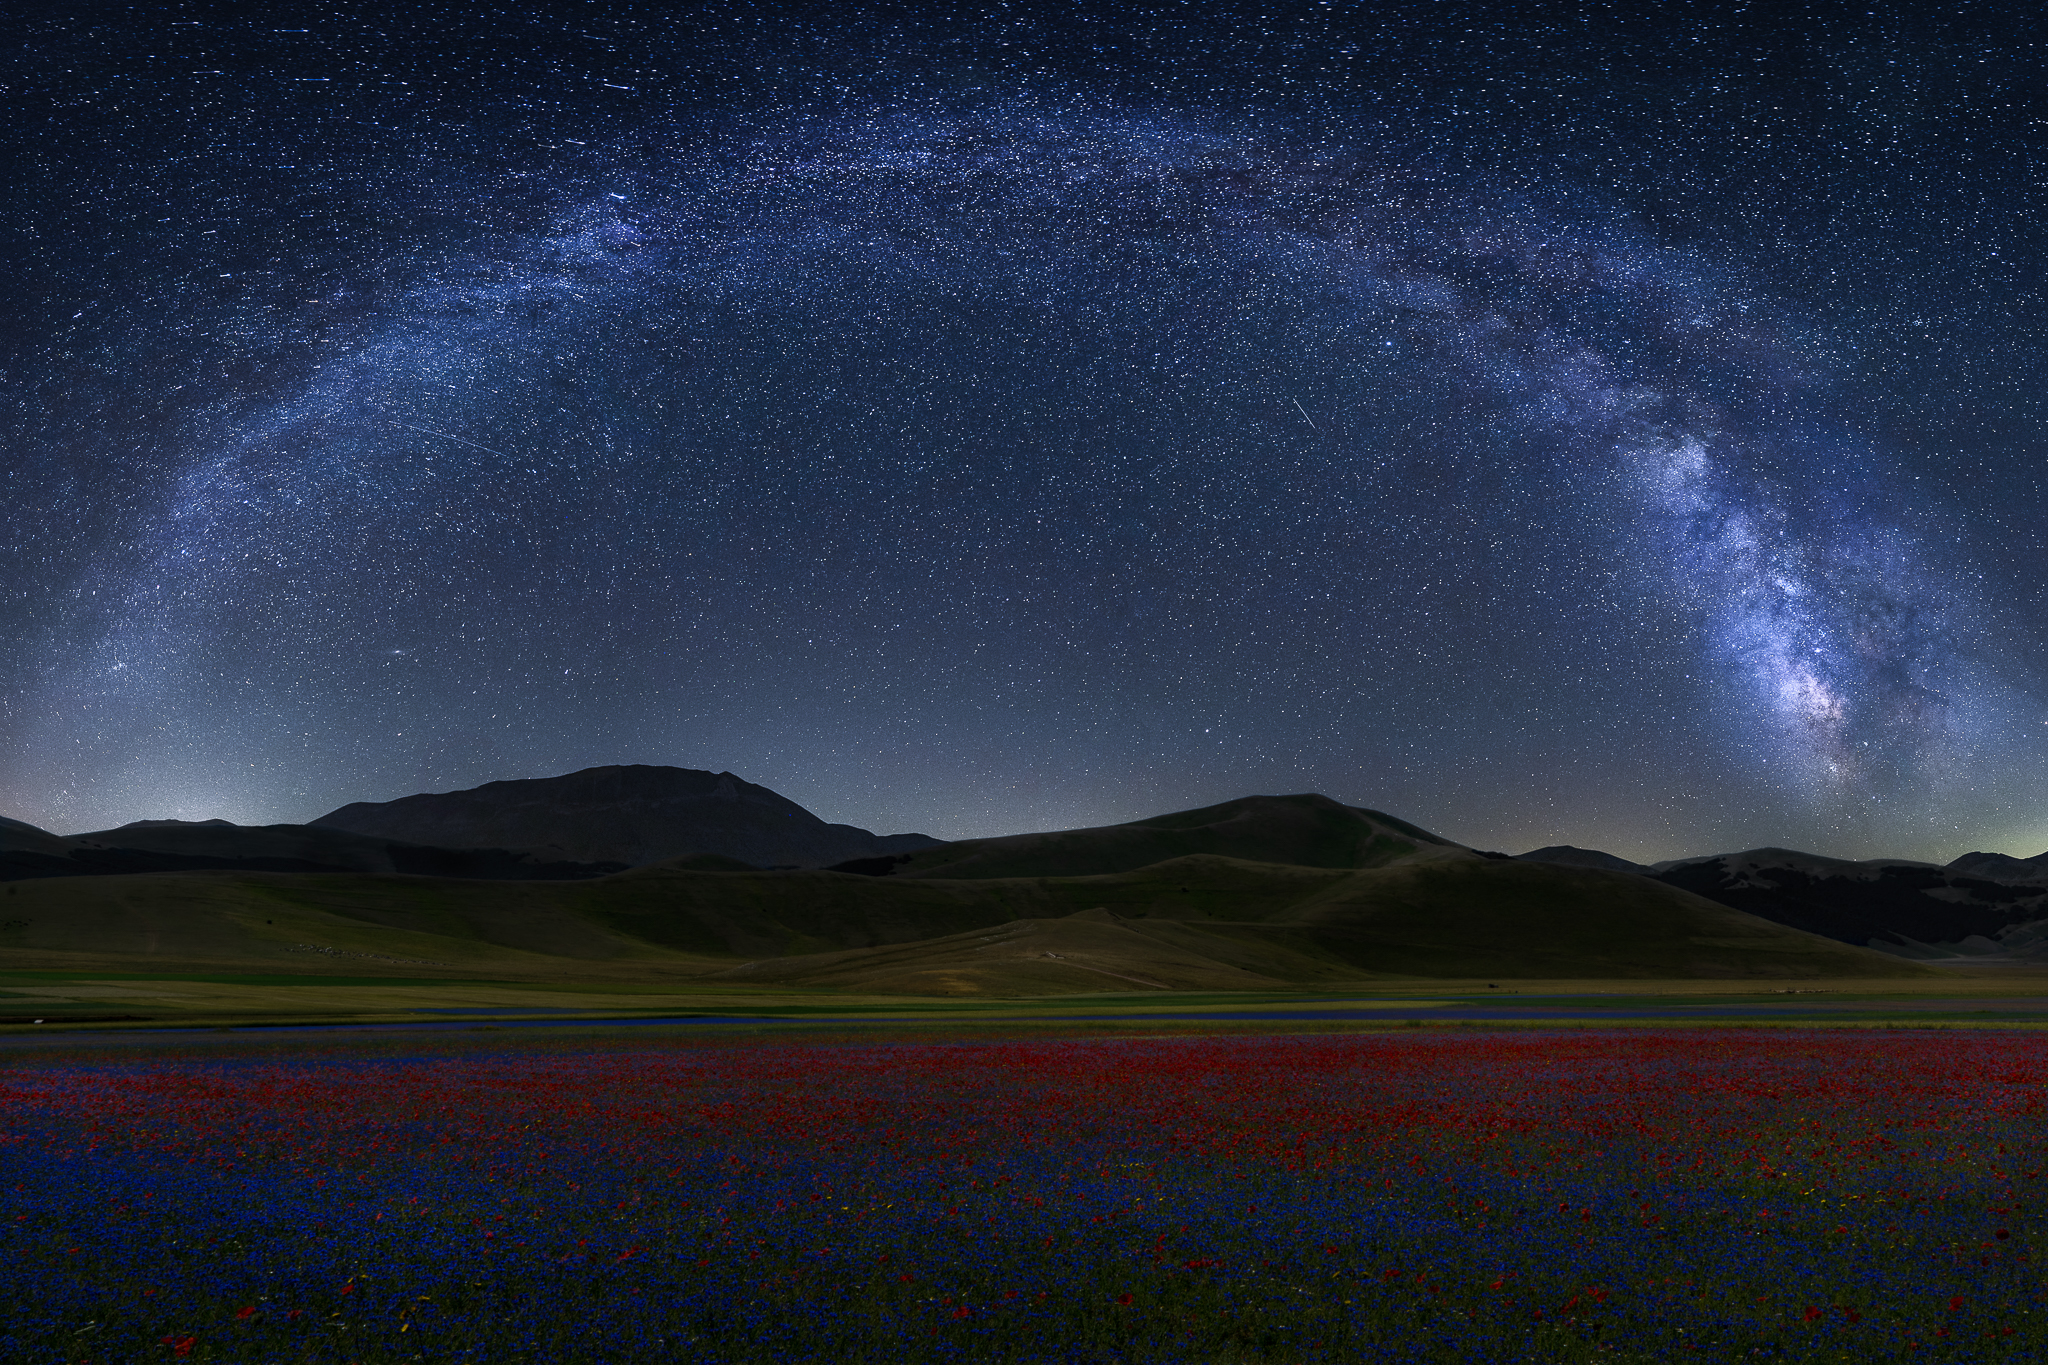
(1565,855)
(1213,923)
(1198,920)
(1302,831)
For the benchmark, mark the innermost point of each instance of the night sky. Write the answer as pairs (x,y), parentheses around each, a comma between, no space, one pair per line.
(1582,423)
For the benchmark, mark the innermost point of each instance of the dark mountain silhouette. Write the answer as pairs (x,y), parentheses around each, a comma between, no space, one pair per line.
(634,814)
(1564,855)
(181,846)
(1886,902)
(17,838)
(1301,831)
(1879,902)
(1999,867)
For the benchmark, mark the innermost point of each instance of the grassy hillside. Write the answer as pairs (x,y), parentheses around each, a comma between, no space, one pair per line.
(1489,918)
(1201,921)
(1304,831)
(1215,923)
(1088,952)
(302,922)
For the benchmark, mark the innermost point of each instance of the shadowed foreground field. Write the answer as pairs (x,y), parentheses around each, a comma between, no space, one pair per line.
(1801,1195)
(60,1009)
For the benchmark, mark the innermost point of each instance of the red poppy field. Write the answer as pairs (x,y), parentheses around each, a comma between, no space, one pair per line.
(1421,1195)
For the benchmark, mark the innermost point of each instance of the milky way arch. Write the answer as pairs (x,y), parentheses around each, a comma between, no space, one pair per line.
(531,430)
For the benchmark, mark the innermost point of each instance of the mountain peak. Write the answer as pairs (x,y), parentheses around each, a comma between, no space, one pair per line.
(627,813)
(1304,830)
(1565,855)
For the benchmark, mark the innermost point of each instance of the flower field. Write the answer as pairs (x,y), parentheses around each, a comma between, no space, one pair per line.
(1409,1195)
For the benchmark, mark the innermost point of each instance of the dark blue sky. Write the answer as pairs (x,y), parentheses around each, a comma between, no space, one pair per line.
(1609,425)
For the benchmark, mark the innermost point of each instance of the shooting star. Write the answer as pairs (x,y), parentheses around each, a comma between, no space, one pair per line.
(428,431)
(1305,417)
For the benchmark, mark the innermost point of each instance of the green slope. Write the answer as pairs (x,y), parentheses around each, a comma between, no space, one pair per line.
(1508,919)
(1201,920)
(312,922)
(1083,953)
(1215,923)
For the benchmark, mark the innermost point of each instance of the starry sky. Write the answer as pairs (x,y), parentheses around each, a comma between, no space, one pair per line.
(1592,423)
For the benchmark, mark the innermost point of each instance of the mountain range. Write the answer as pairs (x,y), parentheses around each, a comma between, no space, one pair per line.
(705,873)
(584,824)
(1981,904)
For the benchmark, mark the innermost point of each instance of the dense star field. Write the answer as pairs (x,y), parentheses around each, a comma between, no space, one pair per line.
(1802,1196)
(1560,428)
